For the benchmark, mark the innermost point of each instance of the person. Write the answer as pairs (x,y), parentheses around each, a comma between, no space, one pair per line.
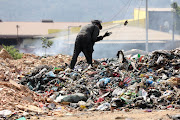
(85,41)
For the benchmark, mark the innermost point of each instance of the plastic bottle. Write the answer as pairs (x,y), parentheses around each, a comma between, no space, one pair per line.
(106,80)
(152,83)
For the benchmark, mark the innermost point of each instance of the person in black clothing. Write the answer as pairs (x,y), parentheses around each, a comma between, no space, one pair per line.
(85,41)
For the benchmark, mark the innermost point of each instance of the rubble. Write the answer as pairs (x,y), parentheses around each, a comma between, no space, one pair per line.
(18,98)
(147,81)
(133,81)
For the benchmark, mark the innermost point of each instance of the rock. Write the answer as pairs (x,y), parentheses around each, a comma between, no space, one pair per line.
(18,86)
(5,113)
(43,60)
(4,54)
(80,103)
(2,77)
(49,100)
(51,106)
(28,62)
(74,98)
(30,108)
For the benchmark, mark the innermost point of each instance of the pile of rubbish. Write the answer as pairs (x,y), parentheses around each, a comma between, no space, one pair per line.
(133,81)
(17,100)
(35,86)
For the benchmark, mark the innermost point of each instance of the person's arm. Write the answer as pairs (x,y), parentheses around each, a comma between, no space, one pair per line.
(105,35)
(95,34)
(99,38)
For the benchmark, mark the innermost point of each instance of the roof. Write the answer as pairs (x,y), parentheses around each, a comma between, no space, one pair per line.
(128,34)
(157,9)
(33,28)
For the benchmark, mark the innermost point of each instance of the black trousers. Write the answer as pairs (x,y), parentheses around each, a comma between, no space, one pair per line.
(82,46)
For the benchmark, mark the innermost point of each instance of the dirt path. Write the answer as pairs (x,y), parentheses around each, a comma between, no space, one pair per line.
(117,115)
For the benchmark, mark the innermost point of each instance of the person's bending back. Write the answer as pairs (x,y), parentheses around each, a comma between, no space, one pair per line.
(85,41)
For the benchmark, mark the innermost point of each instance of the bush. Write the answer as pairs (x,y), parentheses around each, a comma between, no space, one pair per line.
(13,52)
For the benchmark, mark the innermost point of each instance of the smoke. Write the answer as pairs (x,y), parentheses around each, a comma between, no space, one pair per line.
(61,45)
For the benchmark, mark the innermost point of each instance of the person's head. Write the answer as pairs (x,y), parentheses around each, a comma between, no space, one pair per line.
(97,22)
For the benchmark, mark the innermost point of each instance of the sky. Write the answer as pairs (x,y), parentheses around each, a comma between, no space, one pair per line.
(73,10)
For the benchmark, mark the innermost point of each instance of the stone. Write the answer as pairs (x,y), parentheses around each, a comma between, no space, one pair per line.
(4,54)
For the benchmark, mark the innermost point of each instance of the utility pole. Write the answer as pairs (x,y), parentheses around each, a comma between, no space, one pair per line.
(173,29)
(17,27)
(173,22)
(147,25)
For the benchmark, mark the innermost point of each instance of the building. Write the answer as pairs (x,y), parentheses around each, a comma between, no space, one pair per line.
(160,19)
(17,33)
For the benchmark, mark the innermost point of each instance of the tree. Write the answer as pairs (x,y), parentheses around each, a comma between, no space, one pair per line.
(46,43)
(177,10)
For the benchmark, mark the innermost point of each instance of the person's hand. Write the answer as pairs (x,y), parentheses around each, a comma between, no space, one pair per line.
(107,34)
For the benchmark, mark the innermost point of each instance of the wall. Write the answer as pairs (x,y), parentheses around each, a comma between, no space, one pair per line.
(139,14)
(160,20)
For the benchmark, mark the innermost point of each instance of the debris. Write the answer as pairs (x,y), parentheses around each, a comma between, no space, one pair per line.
(143,83)
(4,54)
(148,110)
(104,106)
(22,118)
(30,108)
(18,86)
(174,117)
(119,118)
(5,113)
(135,81)
(73,98)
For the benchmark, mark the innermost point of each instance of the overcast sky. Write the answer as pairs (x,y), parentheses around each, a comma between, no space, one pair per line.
(73,10)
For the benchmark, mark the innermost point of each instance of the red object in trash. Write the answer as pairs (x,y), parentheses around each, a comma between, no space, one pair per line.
(104,63)
(169,106)
(41,105)
(115,74)
(140,59)
(121,84)
(99,100)
(127,80)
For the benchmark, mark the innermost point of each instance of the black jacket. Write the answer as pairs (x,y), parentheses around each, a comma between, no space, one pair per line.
(87,36)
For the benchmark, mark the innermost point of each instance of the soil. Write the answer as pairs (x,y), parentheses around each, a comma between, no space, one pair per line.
(135,114)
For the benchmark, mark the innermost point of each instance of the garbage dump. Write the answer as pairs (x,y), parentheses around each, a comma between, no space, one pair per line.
(140,81)
(48,86)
